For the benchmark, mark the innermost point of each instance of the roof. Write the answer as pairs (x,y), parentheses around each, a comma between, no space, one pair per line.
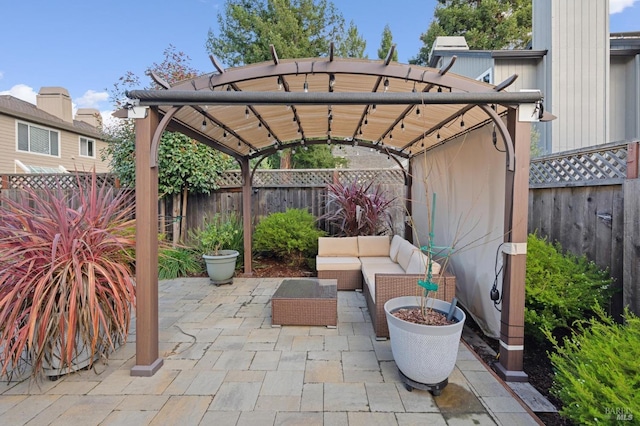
(20,109)
(395,108)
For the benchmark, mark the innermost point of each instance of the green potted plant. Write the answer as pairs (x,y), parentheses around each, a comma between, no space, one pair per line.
(425,332)
(66,277)
(215,241)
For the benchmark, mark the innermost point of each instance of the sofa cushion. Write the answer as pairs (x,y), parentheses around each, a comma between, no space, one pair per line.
(404,254)
(336,263)
(369,272)
(418,264)
(373,245)
(395,247)
(373,260)
(341,247)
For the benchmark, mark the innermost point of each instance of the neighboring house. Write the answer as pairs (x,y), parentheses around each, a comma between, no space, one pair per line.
(45,138)
(590,78)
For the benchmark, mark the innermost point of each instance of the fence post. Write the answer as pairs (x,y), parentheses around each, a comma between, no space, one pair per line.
(632,160)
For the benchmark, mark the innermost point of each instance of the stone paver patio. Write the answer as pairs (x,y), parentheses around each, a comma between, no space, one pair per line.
(224,364)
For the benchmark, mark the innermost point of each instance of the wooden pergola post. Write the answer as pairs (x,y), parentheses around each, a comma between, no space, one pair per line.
(147,357)
(246,213)
(510,367)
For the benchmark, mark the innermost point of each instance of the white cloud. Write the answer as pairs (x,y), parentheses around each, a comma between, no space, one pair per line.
(109,120)
(91,99)
(617,6)
(1,75)
(22,91)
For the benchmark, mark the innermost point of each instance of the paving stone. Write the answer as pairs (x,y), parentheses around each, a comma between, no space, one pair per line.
(359,360)
(362,329)
(234,360)
(485,384)
(31,387)
(229,343)
(297,330)
(8,401)
(26,408)
(390,372)
(323,372)
(182,410)
(264,335)
(345,328)
(366,376)
(208,360)
(73,388)
(416,401)
(88,410)
(421,419)
(308,343)
(264,360)
(277,403)
(499,404)
(295,419)
(456,400)
(336,343)
(143,402)
(220,418)
(335,419)
(128,418)
(312,397)
(520,419)
(236,396)
(154,385)
(191,351)
(258,346)
(293,361)
(284,342)
(256,418)
(383,397)
(467,419)
(372,419)
(113,384)
(324,355)
(206,383)
(282,383)
(52,412)
(345,397)
(360,343)
(383,350)
(245,376)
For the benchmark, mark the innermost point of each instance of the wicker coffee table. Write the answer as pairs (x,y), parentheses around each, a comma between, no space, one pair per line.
(305,301)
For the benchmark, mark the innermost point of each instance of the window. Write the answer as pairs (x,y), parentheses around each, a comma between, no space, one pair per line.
(486,76)
(38,140)
(87,147)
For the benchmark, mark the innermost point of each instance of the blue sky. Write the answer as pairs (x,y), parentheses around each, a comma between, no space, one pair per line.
(85,46)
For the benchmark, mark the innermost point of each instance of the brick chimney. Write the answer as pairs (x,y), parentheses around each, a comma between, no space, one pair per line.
(90,116)
(56,101)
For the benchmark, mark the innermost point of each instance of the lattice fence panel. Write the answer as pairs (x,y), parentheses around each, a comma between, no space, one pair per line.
(54,180)
(606,164)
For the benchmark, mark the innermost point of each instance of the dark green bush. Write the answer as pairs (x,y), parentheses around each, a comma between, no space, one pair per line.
(292,235)
(178,262)
(560,287)
(596,371)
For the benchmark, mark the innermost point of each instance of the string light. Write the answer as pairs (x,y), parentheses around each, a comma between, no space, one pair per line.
(386,84)
(462,121)
(414,87)
(305,86)
(246,112)
(279,82)
(418,111)
(332,80)
(402,126)
(204,125)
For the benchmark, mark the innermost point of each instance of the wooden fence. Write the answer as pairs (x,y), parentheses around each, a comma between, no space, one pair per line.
(589,201)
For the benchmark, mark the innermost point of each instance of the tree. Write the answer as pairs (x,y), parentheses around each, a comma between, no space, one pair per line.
(485,24)
(184,165)
(386,43)
(297,29)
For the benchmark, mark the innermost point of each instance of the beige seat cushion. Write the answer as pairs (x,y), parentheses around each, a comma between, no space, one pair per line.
(369,272)
(338,246)
(373,245)
(335,263)
(374,260)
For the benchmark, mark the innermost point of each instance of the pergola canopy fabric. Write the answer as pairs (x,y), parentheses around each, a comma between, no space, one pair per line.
(400,109)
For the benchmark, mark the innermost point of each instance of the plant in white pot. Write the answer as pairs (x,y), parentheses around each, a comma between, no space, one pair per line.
(425,332)
(219,241)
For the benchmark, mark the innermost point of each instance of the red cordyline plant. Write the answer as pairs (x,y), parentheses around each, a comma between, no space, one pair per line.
(66,275)
(358,209)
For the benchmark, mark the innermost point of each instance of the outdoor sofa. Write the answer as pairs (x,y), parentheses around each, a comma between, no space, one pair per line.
(383,267)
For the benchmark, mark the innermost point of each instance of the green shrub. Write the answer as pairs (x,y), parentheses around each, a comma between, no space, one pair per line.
(291,235)
(596,371)
(560,287)
(178,262)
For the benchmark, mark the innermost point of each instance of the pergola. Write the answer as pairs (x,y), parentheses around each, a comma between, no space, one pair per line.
(403,111)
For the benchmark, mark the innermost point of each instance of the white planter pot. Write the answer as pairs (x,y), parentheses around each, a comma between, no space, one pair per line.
(426,354)
(222,266)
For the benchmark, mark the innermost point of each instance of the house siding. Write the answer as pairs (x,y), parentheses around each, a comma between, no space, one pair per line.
(576,35)
(625,98)
(69,151)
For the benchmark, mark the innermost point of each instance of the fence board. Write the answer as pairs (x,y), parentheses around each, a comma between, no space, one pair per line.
(632,245)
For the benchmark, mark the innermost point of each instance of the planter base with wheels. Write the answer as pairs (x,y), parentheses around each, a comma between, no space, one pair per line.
(435,389)
(221,282)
